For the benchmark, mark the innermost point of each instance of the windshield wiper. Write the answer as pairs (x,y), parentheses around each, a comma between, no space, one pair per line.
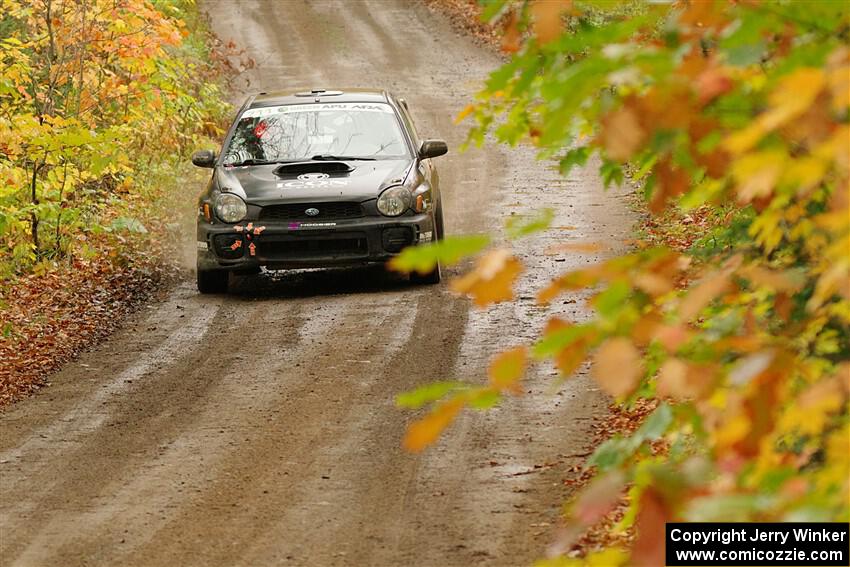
(255,161)
(330,157)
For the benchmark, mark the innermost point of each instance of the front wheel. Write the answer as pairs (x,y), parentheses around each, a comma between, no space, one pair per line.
(435,275)
(432,277)
(213,281)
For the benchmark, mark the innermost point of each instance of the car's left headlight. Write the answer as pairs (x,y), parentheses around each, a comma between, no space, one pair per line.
(230,208)
(394,201)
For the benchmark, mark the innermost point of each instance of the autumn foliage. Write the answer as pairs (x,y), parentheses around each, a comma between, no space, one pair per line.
(94,96)
(737,111)
(100,102)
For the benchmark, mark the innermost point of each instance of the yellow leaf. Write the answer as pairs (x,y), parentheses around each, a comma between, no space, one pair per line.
(838,78)
(756,174)
(793,96)
(424,432)
(804,173)
(617,366)
(507,368)
(492,279)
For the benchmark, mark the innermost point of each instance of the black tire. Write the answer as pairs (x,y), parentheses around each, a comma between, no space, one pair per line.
(431,278)
(435,275)
(438,221)
(213,281)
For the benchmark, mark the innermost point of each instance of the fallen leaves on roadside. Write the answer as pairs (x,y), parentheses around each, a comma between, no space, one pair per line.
(48,319)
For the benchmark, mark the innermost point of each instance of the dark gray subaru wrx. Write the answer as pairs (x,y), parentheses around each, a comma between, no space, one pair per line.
(317,179)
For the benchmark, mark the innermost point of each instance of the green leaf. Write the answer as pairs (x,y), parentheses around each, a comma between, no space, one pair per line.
(656,424)
(427,394)
(451,250)
(610,302)
(519,226)
(612,174)
(485,399)
(556,341)
(574,157)
(493,9)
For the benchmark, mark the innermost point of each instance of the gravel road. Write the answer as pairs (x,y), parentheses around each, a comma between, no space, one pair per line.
(260,428)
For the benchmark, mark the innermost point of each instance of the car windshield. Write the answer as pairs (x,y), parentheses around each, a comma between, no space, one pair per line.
(301,132)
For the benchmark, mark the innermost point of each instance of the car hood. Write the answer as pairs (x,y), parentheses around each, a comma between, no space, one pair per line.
(314,181)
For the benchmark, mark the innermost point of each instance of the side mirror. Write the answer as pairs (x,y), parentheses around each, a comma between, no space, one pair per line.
(432,149)
(204,158)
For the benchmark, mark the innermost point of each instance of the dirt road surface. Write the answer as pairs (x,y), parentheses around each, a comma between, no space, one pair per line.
(260,428)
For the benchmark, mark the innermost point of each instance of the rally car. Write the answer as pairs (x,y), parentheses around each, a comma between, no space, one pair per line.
(317,179)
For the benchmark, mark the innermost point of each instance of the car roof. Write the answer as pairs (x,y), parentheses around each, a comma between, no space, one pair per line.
(307,96)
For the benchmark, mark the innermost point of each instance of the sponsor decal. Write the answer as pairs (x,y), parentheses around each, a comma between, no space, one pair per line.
(249,233)
(298,108)
(313,183)
(202,245)
(300,225)
(425,236)
(313,176)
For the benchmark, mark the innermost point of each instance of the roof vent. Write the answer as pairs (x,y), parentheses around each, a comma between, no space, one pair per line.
(318,93)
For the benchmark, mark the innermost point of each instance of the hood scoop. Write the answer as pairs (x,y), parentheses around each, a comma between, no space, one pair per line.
(330,168)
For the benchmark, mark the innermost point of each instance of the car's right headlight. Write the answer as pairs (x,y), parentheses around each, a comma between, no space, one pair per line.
(230,208)
(394,201)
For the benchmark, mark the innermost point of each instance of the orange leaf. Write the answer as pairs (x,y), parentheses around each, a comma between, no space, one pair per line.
(580,247)
(682,380)
(672,337)
(617,366)
(710,287)
(468,109)
(547,22)
(573,280)
(712,83)
(424,432)
(775,280)
(511,38)
(507,368)
(653,284)
(672,181)
(648,548)
(492,279)
(622,134)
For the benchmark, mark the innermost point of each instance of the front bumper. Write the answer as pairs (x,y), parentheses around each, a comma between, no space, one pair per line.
(306,244)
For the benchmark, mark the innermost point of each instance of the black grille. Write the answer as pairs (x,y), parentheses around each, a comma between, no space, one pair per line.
(309,248)
(228,246)
(327,211)
(396,238)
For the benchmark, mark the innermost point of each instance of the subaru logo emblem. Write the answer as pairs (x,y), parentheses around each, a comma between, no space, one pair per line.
(311,212)
(313,176)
